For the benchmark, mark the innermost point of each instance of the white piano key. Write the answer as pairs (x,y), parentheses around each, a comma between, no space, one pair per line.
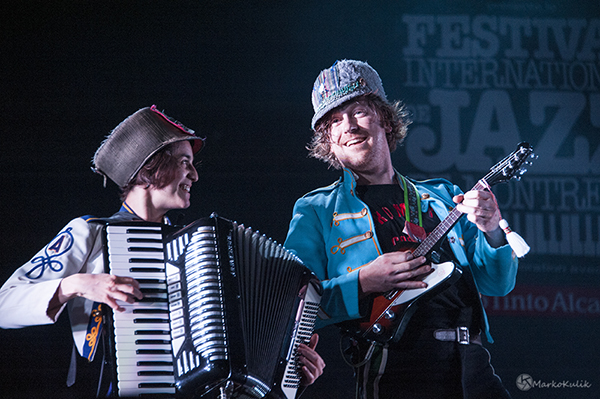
(133,249)
(157,296)
(153,285)
(137,274)
(161,361)
(125,258)
(127,337)
(115,229)
(137,240)
(140,324)
(133,346)
(124,238)
(147,376)
(130,372)
(131,389)
(145,357)
(131,307)
(129,269)
(131,378)
(123,327)
(149,392)
(132,384)
(126,377)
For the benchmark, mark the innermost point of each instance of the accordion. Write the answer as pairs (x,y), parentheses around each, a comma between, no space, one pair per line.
(223,312)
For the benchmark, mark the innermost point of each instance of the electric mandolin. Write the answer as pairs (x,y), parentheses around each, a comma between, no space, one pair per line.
(392,310)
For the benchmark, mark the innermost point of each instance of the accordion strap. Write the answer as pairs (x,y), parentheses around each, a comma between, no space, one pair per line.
(72,373)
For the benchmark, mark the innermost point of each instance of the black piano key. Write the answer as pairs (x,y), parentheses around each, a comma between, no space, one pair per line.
(152,342)
(146,270)
(151,281)
(144,249)
(155,385)
(153,351)
(142,240)
(141,231)
(150,321)
(151,332)
(146,260)
(152,373)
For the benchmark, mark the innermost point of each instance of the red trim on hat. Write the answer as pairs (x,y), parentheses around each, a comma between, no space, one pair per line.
(196,144)
(172,122)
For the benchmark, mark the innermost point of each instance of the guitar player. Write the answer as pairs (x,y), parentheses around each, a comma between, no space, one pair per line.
(354,233)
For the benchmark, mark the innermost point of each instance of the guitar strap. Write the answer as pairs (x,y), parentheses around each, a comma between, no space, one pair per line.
(412,201)
(412,205)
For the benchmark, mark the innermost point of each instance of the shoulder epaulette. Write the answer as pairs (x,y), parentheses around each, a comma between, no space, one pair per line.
(89,218)
(117,217)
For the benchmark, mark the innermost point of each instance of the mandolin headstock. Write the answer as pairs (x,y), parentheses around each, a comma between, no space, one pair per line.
(512,166)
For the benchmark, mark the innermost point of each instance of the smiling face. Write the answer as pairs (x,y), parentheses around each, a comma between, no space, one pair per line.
(176,193)
(358,140)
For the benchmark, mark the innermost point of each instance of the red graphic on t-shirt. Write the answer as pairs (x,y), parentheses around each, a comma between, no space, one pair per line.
(386,214)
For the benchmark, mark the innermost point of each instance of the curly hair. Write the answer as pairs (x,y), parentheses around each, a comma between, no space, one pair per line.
(395,115)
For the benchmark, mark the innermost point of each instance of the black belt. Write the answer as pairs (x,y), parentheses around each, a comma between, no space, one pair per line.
(458,334)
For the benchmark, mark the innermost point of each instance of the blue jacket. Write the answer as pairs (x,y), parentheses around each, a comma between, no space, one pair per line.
(332,231)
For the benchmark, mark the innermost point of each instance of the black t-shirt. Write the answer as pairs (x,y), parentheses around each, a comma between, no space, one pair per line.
(455,306)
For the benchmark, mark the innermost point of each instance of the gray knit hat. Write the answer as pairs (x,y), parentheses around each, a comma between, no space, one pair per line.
(345,80)
(127,148)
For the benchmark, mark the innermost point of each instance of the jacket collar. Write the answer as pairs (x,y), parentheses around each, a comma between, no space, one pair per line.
(349,179)
(126,208)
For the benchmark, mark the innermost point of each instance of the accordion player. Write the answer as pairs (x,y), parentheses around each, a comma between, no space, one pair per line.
(223,312)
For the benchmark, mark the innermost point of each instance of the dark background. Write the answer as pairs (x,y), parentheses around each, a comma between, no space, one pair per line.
(240,74)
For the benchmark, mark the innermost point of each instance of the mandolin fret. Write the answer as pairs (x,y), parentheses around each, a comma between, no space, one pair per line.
(445,226)
(391,311)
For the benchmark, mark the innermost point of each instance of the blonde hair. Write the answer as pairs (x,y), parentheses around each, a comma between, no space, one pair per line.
(395,115)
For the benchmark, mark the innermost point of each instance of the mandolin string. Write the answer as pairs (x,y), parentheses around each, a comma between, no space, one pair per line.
(441,229)
(454,215)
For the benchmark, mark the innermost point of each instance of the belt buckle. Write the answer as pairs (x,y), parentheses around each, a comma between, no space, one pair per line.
(462,335)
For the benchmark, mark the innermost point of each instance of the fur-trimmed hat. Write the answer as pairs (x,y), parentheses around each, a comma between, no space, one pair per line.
(341,82)
(127,148)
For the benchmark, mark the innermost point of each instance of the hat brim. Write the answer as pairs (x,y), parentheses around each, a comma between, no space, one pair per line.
(336,103)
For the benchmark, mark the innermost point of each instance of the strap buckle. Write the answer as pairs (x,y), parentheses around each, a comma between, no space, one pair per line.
(462,335)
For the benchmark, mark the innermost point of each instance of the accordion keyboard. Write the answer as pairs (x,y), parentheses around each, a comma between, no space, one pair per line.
(143,349)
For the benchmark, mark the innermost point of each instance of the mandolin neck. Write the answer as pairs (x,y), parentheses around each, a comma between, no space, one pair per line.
(443,228)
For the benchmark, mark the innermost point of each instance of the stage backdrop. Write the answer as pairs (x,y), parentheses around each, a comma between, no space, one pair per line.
(478,77)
